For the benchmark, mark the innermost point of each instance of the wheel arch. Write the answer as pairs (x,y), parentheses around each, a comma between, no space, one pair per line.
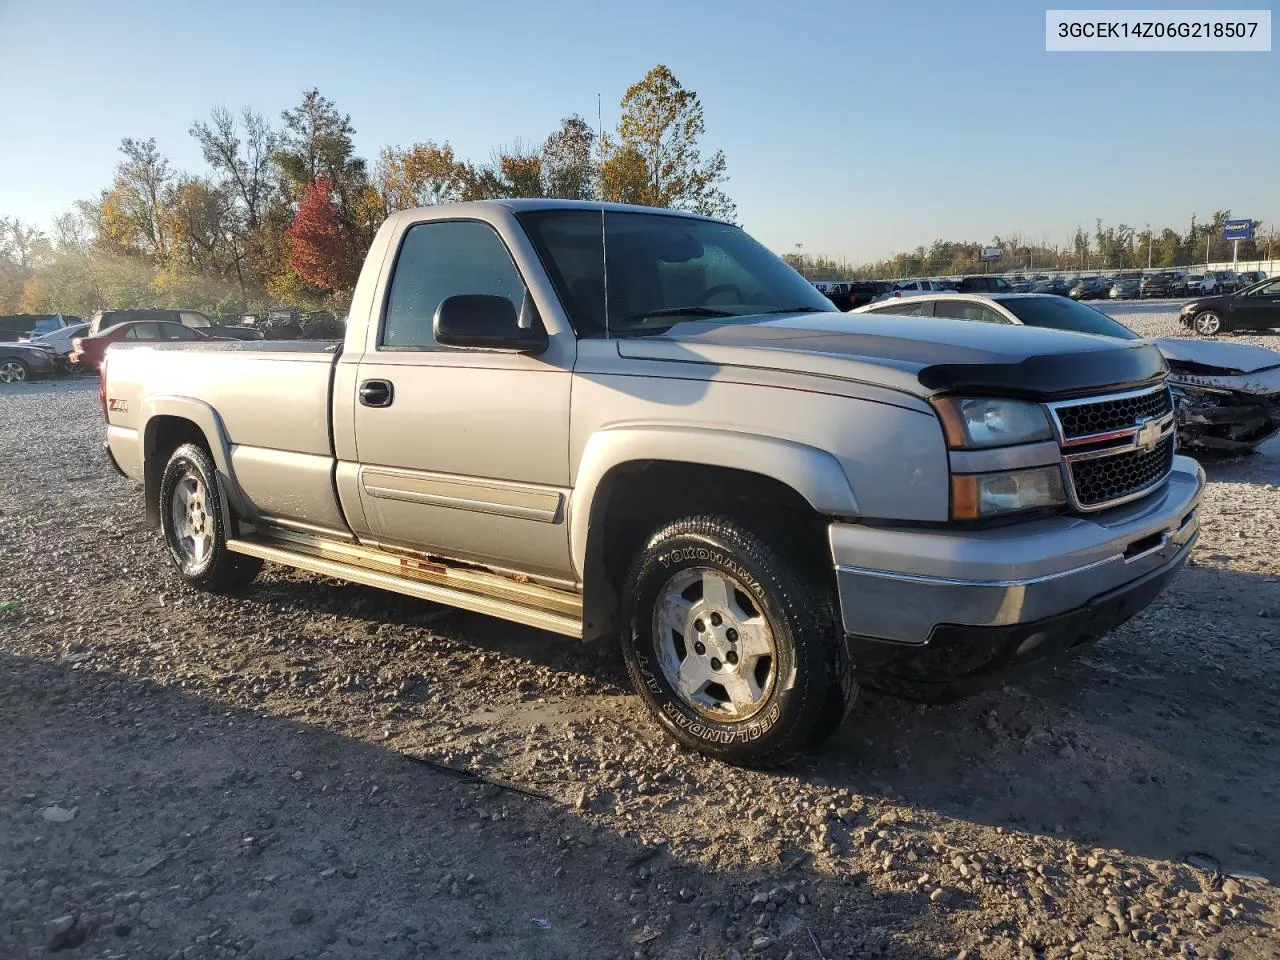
(632,481)
(169,422)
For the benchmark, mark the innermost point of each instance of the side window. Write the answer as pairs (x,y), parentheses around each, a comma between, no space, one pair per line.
(908,308)
(130,334)
(966,310)
(194,320)
(440,260)
(145,331)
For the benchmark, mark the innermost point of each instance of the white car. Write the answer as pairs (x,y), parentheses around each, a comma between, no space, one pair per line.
(910,288)
(60,339)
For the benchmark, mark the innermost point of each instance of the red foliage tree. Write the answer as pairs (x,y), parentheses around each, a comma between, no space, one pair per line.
(319,250)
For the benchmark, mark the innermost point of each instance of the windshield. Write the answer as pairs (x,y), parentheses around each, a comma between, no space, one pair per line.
(662,269)
(1063,314)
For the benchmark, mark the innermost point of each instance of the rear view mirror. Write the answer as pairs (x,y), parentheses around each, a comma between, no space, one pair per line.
(485,322)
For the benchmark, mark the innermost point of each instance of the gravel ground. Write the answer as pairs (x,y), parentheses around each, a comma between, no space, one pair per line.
(186,776)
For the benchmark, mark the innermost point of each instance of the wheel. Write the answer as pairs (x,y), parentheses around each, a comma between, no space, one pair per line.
(1208,324)
(13,370)
(732,644)
(191,520)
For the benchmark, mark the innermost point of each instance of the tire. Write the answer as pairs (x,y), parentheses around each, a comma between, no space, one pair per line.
(766,675)
(13,370)
(191,521)
(1207,324)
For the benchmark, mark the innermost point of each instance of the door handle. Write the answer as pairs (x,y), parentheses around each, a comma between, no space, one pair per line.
(376,393)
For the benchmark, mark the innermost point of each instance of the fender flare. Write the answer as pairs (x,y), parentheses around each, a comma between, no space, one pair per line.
(206,419)
(814,474)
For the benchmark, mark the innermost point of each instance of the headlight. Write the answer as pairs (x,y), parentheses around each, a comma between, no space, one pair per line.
(979,423)
(976,496)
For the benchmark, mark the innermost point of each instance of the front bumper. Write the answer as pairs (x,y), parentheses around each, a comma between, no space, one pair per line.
(951,606)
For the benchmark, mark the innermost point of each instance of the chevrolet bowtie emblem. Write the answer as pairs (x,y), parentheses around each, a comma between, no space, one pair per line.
(1148,435)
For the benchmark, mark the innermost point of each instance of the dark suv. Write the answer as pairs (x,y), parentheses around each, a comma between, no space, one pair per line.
(983,285)
(1156,285)
(106,319)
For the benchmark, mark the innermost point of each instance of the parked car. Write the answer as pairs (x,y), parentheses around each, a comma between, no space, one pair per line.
(26,361)
(1228,395)
(87,352)
(105,319)
(1254,308)
(910,288)
(983,284)
(1178,285)
(60,340)
(864,291)
(1156,285)
(1249,277)
(1087,288)
(837,291)
(1127,289)
(583,476)
(1059,286)
(1220,281)
(16,326)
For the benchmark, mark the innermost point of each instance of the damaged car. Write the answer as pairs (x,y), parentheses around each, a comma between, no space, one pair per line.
(1256,307)
(1227,394)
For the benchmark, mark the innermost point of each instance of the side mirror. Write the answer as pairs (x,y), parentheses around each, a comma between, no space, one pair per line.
(485,322)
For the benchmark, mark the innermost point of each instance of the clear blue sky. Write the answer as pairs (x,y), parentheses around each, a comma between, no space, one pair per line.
(855,129)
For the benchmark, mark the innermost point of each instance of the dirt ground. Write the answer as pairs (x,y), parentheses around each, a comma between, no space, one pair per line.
(186,776)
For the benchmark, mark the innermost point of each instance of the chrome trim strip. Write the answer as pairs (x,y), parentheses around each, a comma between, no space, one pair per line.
(1166,427)
(459,503)
(1043,454)
(998,584)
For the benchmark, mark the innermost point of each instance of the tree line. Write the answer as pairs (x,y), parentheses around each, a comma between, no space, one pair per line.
(1106,248)
(284,212)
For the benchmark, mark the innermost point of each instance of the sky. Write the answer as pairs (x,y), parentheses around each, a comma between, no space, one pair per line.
(855,129)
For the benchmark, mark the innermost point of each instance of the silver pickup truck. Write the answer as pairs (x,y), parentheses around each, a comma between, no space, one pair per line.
(628,423)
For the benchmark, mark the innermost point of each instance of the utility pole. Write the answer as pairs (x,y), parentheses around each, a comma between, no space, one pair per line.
(800,258)
(1150,239)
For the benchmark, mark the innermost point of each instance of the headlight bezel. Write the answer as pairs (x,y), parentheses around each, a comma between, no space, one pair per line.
(977,496)
(967,422)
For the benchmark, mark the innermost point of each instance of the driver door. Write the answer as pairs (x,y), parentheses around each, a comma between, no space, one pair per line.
(1259,309)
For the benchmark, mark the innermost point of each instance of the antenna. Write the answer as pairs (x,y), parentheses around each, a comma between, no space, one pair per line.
(604,243)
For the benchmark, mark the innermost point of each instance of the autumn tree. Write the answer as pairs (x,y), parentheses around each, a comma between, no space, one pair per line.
(319,250)
(569,168)
(132,212)
(422,175)
(661,125)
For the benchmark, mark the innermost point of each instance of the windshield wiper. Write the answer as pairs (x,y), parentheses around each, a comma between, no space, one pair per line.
(797,310)
(680,312)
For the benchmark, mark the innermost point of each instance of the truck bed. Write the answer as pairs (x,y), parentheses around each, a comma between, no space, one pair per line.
(268,400)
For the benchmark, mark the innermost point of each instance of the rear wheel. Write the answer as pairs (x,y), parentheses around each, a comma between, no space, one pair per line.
(13,370)
(732,646)
(1208,324)
(191,520)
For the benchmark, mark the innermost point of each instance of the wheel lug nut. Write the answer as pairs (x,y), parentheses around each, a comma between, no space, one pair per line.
(732,658)
(699,626)
(731,635)
(715,664)
(715,620)
(699,648)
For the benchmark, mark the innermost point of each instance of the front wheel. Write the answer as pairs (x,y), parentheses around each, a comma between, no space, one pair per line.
(191,520)
(732,645)
(1208,324)
(12,371)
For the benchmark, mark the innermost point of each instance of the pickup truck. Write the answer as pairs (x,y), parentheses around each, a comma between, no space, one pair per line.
(629,423)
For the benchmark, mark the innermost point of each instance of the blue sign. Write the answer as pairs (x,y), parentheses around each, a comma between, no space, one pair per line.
(1238,230)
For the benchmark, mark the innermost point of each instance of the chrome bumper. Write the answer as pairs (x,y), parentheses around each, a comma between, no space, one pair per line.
(902,584)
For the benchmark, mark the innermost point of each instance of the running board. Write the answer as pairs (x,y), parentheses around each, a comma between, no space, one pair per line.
(422,576)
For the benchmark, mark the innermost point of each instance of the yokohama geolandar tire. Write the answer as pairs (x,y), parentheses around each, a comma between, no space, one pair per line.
(191,520)
(732,644)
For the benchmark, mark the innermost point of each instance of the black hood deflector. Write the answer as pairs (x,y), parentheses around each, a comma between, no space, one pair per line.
(1053,376)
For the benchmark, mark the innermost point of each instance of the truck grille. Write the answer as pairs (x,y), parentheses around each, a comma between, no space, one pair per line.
(1116,448)
(1111,479)
(1090,418)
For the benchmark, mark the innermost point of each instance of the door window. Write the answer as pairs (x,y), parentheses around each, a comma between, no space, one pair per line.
(195,320)
(437,261)
(966,310)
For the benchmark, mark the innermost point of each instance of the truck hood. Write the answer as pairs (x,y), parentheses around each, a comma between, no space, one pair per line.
(918,355)
(1215,358)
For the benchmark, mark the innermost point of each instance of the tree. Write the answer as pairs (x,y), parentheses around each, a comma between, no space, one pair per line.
(244,165)
(22,243)
(319,251)
(421,176)
(569,170)
(135,205)
(661,124)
